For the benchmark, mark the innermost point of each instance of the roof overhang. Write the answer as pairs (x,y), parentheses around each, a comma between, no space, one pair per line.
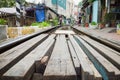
(8,10)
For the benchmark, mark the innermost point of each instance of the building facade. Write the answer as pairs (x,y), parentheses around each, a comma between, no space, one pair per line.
(62,7)
(106,11)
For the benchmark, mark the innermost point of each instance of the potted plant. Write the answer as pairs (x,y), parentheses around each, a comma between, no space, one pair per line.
(118,28)
(101,25)
(86,25)
(93,25)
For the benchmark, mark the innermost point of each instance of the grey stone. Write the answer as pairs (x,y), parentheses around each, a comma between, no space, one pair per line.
(3,32)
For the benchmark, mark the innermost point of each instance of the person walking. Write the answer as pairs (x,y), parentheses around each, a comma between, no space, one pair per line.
(80,17)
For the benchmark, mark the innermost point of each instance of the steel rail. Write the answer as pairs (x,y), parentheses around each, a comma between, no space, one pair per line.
(99,39)
(17,41)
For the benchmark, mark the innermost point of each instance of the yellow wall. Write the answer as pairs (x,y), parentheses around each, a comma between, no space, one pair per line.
(118,31)
(19,31)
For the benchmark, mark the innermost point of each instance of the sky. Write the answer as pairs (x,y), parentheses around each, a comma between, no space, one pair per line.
(34,1)
(77,1)
(37,1)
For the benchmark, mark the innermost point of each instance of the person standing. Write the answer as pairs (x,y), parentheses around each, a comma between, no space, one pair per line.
(60,20)
(79,19)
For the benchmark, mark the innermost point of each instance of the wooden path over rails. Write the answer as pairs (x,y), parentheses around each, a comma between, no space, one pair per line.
(8,44)
(12,56)
(65,56)
(110,43)
(105,67)
(24,69)
(60,65)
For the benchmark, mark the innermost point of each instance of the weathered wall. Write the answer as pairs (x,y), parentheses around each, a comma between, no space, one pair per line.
(3,32)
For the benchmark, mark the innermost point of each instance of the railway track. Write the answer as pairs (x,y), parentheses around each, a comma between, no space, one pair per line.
(106,42)
(4,46)
(60,55)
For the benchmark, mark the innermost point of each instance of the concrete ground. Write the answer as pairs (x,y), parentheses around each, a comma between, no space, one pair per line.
(105,33)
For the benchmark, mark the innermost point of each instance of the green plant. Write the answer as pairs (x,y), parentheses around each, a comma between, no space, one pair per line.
(42,24)
(3,22)
(7,3)
(109,17)
(93,23)
(35,24)
(119,25)
(91,1)
(55,22)
(45,24)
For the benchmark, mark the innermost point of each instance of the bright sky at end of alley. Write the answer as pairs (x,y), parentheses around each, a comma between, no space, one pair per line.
(37,1)
(77,1)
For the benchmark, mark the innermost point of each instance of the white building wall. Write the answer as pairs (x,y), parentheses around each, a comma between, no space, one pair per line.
(48,3)
(75,12)
(69,8)
(66,12)
(61,11)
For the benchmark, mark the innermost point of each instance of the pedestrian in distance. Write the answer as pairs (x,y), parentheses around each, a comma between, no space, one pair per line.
(81,14)
(60,20)
(79,19)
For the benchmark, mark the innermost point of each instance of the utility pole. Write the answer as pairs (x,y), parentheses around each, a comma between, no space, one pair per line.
(108,5)
(56,5)
(44,2)
(18,13)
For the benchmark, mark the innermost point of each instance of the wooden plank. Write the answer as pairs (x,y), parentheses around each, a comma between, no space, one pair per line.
(60,66)
(108,53)
(86,71)
(25,68)
(97,75)
(74,58)
(64,32)
(107,70)
(12,56)
(102,40)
